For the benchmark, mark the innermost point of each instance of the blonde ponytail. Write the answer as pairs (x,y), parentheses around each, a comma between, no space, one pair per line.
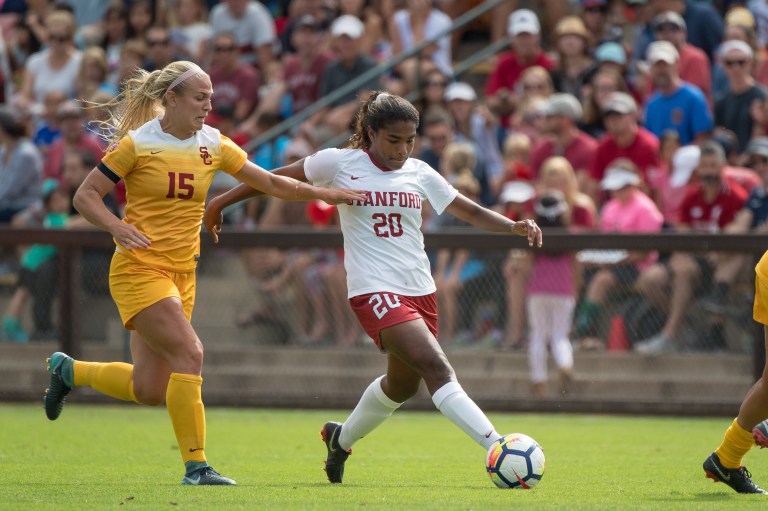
(142,99)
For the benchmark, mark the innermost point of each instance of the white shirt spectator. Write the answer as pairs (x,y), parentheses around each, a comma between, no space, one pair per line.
(48,79)
(254,29)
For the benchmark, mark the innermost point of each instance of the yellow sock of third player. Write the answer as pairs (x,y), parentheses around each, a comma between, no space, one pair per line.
(736,443)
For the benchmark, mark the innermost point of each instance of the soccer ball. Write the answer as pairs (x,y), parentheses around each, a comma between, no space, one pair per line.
(515,461)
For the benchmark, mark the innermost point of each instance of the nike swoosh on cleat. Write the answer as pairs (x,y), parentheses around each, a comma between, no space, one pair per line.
(193,481)
(722,475)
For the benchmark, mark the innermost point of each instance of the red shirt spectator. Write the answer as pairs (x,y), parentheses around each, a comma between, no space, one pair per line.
(643,152)
(712,217)
(580,152)
(73,137)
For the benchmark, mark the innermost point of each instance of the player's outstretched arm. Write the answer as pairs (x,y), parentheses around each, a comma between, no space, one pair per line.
(280,184)
(488,220)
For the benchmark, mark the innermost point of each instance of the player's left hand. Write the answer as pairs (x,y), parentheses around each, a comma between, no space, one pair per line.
(530,229)
(341,195)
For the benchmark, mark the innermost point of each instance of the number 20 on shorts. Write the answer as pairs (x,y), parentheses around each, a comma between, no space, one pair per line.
(383,302)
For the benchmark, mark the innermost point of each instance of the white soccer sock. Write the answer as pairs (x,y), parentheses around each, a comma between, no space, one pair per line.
(372,409)
(455,404)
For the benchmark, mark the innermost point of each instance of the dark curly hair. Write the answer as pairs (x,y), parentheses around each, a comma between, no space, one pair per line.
(380,109)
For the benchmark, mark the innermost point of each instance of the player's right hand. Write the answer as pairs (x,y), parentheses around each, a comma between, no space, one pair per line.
(129,237)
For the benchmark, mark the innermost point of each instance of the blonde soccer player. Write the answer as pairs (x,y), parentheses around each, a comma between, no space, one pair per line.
(167,156)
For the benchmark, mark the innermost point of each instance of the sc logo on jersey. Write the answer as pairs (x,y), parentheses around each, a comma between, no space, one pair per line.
(205,155)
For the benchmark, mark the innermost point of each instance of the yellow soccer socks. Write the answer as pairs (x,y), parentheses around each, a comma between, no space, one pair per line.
(736,443)
(114,379)
(185,406)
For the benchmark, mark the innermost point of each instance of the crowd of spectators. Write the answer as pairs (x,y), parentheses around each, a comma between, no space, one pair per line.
(624,106)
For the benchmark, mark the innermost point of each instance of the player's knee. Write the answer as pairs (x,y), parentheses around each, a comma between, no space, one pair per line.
(436,369)
(149,395)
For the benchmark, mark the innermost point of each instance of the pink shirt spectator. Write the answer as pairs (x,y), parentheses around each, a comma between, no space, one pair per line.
(552,275)
(640,214)
(580,154)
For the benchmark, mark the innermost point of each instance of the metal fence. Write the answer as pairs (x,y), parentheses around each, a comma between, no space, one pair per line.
(286,287)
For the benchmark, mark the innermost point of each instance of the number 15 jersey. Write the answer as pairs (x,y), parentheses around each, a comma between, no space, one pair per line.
(166,183)
(383,242)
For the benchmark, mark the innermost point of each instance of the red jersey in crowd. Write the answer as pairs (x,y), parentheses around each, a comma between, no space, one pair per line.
(712,217)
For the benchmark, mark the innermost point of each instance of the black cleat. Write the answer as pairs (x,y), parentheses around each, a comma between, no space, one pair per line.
(737,478)
(60,367)
(206,476)
(334,463)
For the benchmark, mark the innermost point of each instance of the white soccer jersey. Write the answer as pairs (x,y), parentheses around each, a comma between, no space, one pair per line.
(383,243)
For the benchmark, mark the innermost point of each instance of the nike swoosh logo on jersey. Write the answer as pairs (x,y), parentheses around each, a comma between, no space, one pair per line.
(355,178)
(155,152)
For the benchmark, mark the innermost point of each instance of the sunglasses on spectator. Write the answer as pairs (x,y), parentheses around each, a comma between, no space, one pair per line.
(437,138)
(758,160)
(158,42)
(437,84)
(534,86)
(596,9)
(668,27)
(61,38)
(224,48)
(734,62)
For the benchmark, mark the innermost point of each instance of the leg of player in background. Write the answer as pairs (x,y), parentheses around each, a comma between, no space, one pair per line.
(725,464)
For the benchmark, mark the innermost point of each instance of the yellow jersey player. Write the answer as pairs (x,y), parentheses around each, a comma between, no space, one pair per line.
(167,157)
(724,465)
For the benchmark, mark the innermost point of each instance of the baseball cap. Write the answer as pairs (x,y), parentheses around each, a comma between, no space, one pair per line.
(460,90)
(523,20)
(617,178)
(740,16)
(735,45)
(69,108)
(758,146)
(550,205)
(516,191)
(564,104)
(662,51)
(611,52)
(308,21)
(298,148)
(571,25)
(669,18)
(684,162)
(621,103)
(347,25)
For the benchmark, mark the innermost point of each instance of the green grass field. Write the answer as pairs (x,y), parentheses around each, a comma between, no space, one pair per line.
(125,457)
